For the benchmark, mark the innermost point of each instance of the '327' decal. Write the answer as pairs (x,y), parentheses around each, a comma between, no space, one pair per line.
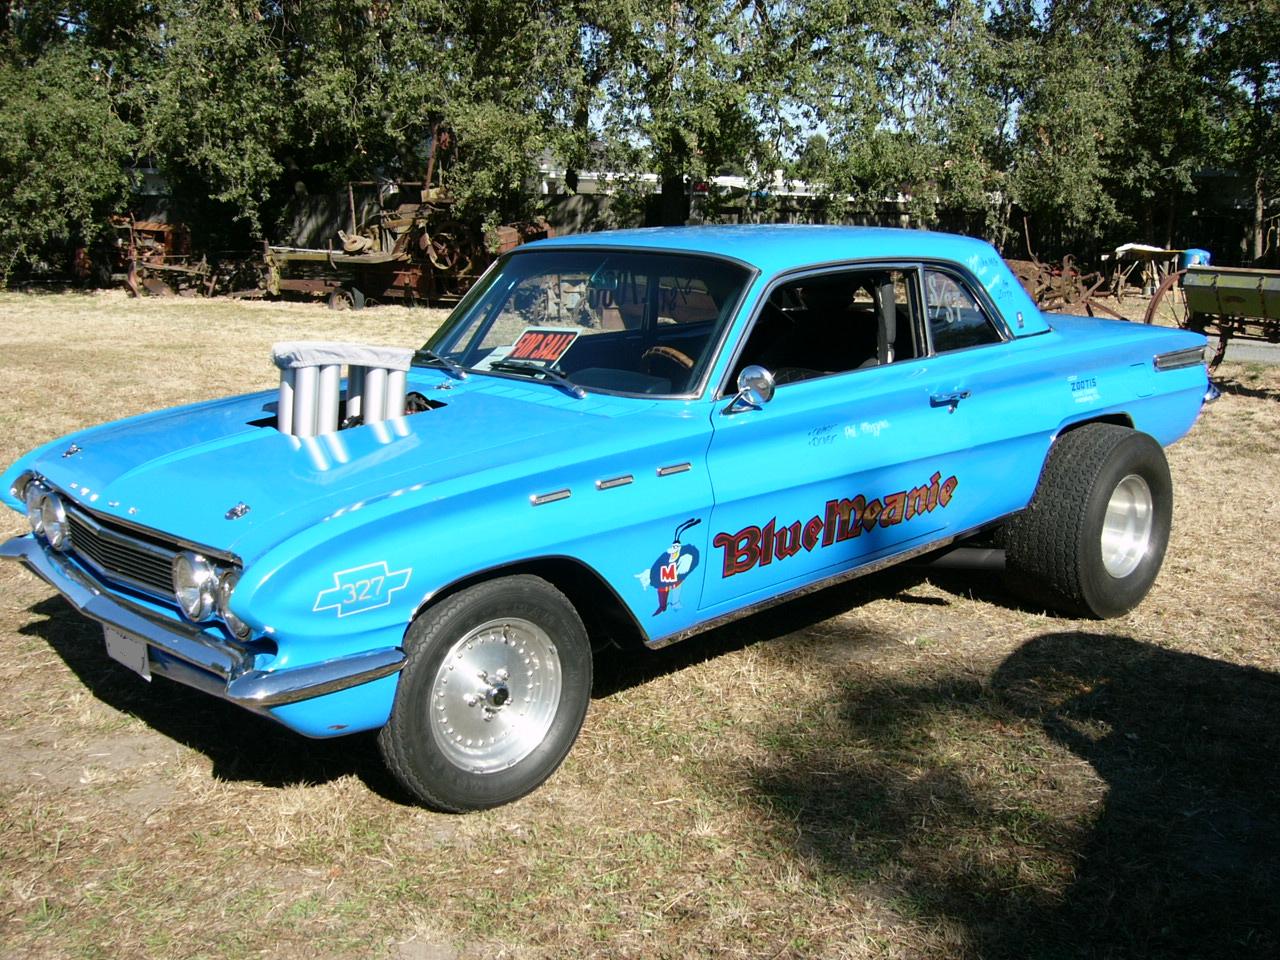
(360,589)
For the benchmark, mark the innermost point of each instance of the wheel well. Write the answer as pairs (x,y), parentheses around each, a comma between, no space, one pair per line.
(1119,419)
(995,533)
(603,613)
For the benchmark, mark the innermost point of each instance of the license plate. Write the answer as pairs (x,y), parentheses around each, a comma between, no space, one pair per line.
(128,650)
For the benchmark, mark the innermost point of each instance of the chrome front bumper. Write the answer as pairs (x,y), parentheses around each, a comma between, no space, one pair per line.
(189,655)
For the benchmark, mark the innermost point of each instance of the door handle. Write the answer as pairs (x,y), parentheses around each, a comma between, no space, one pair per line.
(948,400)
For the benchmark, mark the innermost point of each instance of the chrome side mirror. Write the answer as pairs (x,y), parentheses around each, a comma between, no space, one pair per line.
(755,389)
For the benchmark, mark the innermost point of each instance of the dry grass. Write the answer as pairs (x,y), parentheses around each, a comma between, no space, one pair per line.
(910,766)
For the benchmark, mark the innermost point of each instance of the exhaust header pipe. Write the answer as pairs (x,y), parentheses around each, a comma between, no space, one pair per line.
(310,380)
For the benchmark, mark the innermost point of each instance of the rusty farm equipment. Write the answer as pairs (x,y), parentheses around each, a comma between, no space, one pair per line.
(411,248)
(154,257)
(1226,302)
(1063,288)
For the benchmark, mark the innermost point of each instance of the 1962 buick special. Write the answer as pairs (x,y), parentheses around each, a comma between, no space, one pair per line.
(631,437)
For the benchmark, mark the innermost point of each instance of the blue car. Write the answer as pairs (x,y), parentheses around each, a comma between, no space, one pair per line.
(626,437)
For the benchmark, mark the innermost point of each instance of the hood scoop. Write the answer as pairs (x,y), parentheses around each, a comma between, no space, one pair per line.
(311,402)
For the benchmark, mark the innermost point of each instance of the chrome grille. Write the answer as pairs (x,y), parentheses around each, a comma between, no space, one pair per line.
(121,554)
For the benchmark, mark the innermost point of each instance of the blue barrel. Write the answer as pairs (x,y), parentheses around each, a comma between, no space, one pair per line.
(1194,257)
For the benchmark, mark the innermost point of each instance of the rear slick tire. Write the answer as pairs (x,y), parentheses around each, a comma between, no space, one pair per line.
(493,692)
(1092,539)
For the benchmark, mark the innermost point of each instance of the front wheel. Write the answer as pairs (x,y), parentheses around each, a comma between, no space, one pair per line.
(494,690)
(1093,537)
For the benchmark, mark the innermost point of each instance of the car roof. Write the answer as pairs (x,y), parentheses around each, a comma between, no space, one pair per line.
(783,246)
(778,248)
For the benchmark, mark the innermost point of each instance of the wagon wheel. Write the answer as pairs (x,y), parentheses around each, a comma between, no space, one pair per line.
(443,246)
(1172,299)
(1169,302)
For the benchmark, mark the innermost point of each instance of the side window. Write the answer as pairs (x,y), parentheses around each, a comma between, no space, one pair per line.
(956,319)
(832,323)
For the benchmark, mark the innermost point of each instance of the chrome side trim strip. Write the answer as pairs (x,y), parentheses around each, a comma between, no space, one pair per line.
(538,499)
(674,468)
(612,482)
(187,654)
(853,574)
(873,567)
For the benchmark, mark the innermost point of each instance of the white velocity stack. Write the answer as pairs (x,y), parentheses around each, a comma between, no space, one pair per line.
(311,377)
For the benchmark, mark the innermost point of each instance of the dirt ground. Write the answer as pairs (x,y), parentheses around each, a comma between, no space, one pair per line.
(913,765)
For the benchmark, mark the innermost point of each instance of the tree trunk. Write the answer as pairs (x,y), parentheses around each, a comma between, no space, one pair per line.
(1258,135)
(582,139)
(1259,210)
(675,206)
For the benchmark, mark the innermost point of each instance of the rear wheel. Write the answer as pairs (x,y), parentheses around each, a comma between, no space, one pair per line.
(494,690)
(1093,537)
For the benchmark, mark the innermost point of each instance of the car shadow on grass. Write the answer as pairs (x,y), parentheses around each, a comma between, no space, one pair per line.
(246,747)
(1094,796)
(241,745)
(621,668)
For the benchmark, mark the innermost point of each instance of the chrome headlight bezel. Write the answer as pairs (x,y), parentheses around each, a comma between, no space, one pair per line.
(19,488)
(53,521)
(195,585)
(226,586)
(33,498)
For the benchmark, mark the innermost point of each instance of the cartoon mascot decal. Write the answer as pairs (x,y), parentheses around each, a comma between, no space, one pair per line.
(670,569)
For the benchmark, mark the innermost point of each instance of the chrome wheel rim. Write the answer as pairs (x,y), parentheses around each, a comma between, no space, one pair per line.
(495,695)
(1126,529)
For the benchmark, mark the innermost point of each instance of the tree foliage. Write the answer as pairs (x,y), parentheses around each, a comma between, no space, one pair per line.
(1243,58)
(1099,118)
(63,150)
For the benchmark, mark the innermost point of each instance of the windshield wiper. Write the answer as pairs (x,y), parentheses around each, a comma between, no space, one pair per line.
(455,369)
(555,376)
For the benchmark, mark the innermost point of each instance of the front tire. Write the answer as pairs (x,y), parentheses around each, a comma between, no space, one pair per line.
(495,686)
(1094,535)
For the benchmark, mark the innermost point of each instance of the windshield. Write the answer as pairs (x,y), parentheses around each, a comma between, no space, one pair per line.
(613,320)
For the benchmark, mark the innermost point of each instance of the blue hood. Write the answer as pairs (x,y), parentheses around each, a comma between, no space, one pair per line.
(180,471)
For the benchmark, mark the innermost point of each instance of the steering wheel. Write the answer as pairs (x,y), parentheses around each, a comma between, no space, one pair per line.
(669,353)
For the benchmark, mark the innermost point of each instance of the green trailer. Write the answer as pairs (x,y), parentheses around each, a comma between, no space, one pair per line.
(1226,302)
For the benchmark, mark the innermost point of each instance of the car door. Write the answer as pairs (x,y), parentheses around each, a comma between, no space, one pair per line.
(854,457)
(1004,395)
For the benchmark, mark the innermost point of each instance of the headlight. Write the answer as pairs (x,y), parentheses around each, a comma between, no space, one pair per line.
(33,497)
(53,520)
(195,585)
(226,585)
